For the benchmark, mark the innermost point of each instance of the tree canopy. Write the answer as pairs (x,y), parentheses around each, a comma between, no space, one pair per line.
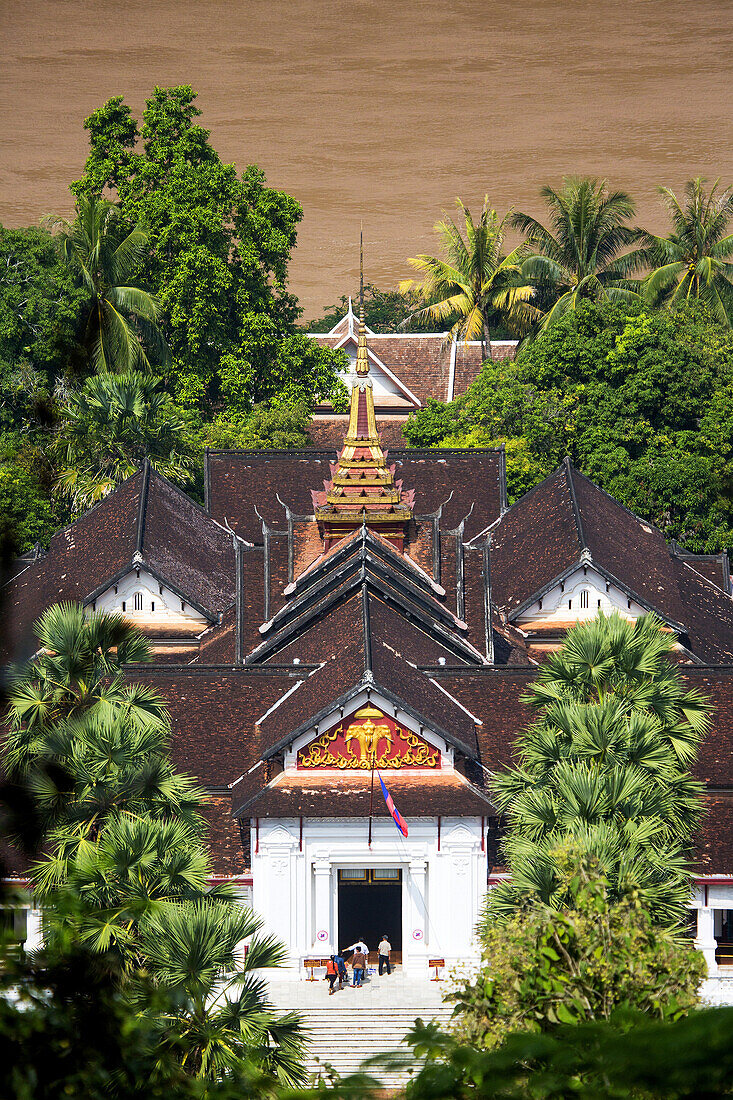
(639,399)
(218,262)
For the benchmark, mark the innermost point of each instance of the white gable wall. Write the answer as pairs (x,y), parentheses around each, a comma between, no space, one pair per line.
(144,600)
(581,596)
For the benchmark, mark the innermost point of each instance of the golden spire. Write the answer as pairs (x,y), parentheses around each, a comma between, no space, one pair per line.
(362,356)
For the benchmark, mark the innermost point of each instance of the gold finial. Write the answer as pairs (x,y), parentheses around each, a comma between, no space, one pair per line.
(362,357)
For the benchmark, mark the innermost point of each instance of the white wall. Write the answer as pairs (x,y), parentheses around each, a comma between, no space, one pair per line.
(295,889)
(159,604)
(600,595)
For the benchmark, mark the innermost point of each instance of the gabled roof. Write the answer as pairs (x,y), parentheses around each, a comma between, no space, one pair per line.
(375,669)
(566,522)
(370,571)
(298,794)
(245,487)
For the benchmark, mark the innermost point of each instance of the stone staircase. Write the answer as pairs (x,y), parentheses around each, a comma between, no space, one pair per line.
(346,1030)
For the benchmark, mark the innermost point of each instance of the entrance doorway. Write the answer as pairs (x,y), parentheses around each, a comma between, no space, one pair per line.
(370,905)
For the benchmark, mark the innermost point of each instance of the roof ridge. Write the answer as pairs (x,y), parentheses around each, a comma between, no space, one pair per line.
(142,507)
(568,466)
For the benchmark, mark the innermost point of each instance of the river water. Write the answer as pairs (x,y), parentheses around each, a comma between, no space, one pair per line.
(381,110)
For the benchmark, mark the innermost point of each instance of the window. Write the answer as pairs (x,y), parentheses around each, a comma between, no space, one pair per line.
(599,603)
(584,598)
(570,605)
(183,606)
(539,605)
(138,601)
(628,603)
(124,606)
(152,605)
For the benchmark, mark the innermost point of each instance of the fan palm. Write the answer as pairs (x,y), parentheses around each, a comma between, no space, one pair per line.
(103,254)
(109,428)
(605,767)
(696,259)
(577,257)
(222,1013)
(474,281)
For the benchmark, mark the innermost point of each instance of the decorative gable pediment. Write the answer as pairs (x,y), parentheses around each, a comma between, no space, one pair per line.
(367,738)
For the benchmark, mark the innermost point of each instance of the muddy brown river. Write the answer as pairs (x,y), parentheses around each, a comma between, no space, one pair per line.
(380,109)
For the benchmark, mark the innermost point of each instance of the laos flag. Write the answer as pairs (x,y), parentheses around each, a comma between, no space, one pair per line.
(396,815)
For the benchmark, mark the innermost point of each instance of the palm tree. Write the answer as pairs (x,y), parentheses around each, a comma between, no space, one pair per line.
(577,257)
(474,282)
(109,428)
(696,259)
(103,254)
(605,768)
(222,1015)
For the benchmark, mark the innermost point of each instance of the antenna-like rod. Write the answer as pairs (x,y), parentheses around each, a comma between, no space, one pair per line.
(361,272)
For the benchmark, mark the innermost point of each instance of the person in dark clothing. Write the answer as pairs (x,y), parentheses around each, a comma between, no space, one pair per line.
(341,967)
(332,974)
(384,949)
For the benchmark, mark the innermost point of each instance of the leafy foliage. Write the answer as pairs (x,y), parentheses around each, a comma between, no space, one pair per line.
(109,428)
(690,1059)
(384,311)
(696,259)
(474,280)
(587,961)
(103,255)
(605,767)
(264,427)
(640,401)
(220,247)
(125,875)
(577,257)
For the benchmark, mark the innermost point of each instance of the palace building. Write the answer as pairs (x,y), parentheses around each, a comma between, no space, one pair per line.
(328,611)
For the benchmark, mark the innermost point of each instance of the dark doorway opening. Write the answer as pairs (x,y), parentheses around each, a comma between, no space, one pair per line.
(370,908)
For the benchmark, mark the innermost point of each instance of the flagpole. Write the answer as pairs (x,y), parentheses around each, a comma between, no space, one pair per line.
(371,802)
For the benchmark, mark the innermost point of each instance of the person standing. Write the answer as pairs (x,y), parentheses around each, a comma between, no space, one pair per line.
(384,949)
(358,961)
(341,967)
(332,974)
(359,946)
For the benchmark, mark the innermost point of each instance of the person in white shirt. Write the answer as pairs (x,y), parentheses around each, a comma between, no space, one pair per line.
(384,949)
(358,946)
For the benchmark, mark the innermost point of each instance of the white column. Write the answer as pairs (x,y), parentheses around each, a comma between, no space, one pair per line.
(34,930)
(705,940)
(322,933)
(416,932)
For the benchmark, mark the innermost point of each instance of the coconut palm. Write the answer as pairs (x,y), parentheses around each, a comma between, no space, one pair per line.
(696,259)
(109,428)
(578,256)
(474,281)
(104,255)
(605,767)
(222,1014)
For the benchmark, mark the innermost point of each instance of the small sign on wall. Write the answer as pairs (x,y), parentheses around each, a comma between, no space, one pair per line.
(322,936)
(417,934)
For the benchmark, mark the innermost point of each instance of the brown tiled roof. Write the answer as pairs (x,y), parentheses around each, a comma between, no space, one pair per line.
(715,568)
(241,483)
(421,361)
(544,533)
(714,839)
(707,614)
(224,840)
(186,546)
(294,795)
(80,557)
(214,713)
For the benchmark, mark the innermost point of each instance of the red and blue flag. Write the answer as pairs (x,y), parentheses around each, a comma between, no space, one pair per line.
(396,815)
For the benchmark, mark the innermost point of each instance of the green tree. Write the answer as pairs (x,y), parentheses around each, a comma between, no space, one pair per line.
(264,427)
(40,310)
(384,311)
(25,504)
(220,246)
(606,768)
(221,1014)
(639,399)
(591,959)
(578,257)
(474,280)
(696,259)
(109,428)
(104,255)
